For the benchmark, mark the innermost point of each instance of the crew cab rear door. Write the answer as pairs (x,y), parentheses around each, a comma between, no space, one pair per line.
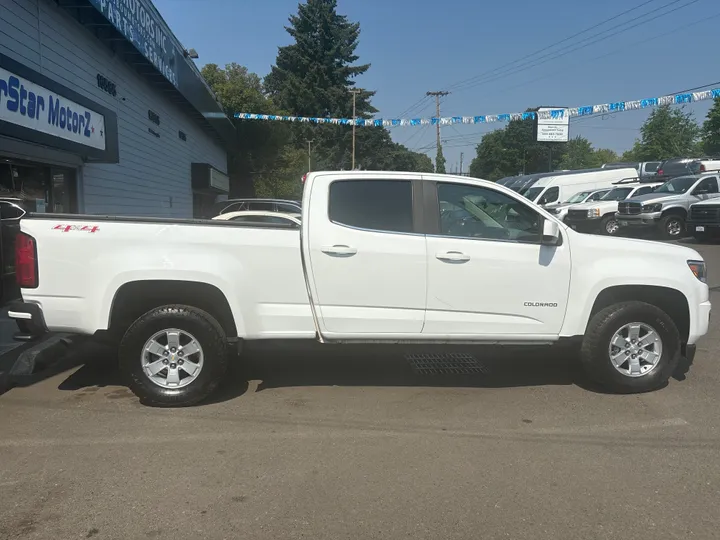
(364,257)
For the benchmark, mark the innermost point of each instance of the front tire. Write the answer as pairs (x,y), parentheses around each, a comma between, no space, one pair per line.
(609,226)
(174,356)
(672,227)
(631,347)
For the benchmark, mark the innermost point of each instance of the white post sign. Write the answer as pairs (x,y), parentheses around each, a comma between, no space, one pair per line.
(553,125)
(29,105)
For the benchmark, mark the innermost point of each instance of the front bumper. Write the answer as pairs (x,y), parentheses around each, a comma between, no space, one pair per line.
(694,227)
(583,225)
(30,319)
(638,220)
(702,322)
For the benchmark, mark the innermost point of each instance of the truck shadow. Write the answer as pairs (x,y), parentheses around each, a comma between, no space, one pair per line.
(297,365)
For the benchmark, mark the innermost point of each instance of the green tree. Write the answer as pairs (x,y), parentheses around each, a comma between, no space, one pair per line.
(440,161)
(313,77)
(711,130)
(605,155)
(514,150)
(668,132)
(258,144)
(579,154)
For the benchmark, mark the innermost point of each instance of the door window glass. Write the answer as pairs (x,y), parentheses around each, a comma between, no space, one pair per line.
(380,205)
(652,166)
(550,196)
(478,212)
(597,196)
(708,185)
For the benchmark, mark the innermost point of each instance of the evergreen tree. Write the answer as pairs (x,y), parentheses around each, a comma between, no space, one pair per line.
(711,130)
(313,77)
(440,161)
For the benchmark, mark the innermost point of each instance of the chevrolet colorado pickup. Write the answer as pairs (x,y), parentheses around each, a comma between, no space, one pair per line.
(379,257)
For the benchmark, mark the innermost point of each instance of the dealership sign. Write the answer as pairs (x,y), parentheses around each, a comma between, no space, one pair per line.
(32,106)
(141,24)
(553,125)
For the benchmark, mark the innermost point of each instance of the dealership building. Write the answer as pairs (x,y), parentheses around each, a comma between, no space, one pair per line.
(102,111)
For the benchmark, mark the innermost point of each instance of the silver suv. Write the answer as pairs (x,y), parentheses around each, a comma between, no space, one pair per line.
(665,210)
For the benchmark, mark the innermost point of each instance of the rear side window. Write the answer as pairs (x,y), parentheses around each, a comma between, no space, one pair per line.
(652,166)
(379,205)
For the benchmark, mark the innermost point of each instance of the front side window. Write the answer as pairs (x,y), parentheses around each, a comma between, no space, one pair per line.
(708,185)
(378,205)
(550,196)
(482,213)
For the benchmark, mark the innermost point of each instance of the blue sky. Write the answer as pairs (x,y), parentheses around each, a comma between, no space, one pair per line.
(420,45)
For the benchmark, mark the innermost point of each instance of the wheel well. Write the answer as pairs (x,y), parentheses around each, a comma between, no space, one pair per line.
(671,301)
(138,297)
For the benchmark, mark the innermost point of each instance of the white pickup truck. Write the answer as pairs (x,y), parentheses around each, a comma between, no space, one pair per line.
(375,257)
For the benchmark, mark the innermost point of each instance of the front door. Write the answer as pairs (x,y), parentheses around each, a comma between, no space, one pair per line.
(367,263)
(488,274)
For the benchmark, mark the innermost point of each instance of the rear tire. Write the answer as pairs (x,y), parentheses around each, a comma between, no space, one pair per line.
(609,226)
(672,227)
(181,377)
(650,371)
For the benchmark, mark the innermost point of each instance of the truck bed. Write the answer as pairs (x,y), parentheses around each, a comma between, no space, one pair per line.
(257,267)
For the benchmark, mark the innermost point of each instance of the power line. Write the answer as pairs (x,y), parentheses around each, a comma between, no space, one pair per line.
(460,83)
(623,49)
(574,48)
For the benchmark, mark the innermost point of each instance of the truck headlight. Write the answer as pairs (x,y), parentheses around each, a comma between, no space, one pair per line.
(593,213)
(656,207)
(699,269)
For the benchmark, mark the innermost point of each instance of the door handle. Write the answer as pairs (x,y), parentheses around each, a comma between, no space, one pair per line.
(339,250)
(452,256)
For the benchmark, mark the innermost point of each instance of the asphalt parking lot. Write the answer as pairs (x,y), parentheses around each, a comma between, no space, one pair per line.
(356,443)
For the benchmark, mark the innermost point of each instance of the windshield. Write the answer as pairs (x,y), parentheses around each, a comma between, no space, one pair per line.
(677,185)
(617,194)
(578,197)
(533,192)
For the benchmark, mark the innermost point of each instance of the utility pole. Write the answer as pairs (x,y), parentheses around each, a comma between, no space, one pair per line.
(462,155)
(438,95)
(354,93)
(309,141)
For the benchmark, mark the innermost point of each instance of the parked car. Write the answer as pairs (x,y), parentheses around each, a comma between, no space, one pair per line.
(644,168)
(665,210)
(260,219)
(560,209)
(551,189)
(264,205)
(703,220)
(672,168)
(600,216)
(376,260)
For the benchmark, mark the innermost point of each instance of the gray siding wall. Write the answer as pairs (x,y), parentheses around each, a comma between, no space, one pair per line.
(153,176)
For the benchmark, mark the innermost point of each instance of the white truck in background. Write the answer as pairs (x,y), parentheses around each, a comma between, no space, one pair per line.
(378,257)
(551,189)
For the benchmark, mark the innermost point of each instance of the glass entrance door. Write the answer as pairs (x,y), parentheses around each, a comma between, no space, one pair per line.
(63,191)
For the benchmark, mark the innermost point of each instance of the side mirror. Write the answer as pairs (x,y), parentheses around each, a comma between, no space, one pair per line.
(550,233)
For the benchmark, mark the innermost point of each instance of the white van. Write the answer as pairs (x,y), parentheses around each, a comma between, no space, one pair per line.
(558,189)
